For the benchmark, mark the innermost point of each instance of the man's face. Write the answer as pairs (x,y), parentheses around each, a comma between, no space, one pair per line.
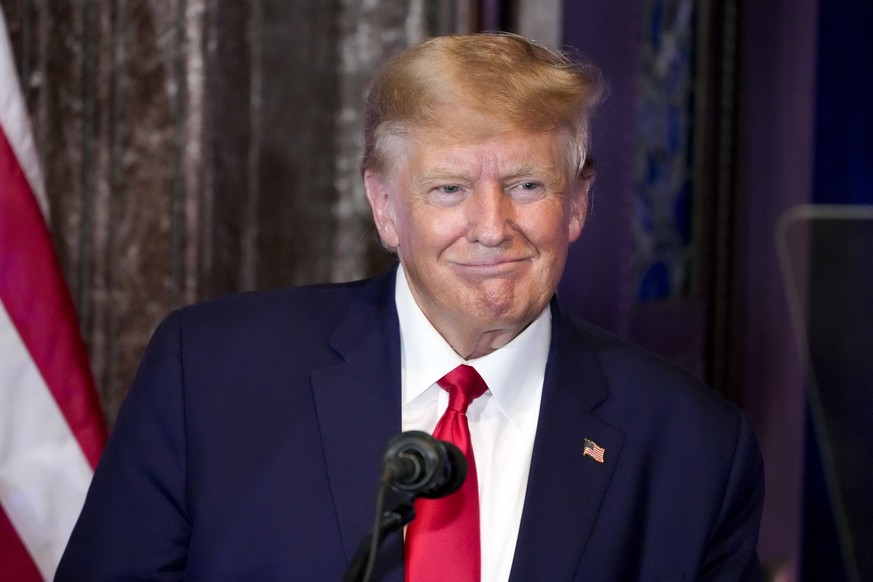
(481,225)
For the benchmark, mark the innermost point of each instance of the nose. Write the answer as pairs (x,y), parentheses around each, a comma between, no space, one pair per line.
(490,215)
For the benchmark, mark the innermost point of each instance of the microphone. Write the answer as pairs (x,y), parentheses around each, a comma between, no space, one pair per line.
(417,464)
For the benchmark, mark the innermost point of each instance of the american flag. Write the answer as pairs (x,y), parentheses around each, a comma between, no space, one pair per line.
(593,450)
(51,427)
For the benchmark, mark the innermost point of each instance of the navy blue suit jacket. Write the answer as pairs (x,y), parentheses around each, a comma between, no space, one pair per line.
(249,448)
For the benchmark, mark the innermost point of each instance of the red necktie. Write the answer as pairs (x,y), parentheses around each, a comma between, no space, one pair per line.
(442,542)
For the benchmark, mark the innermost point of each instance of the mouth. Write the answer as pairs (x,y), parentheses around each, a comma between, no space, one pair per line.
(492,266)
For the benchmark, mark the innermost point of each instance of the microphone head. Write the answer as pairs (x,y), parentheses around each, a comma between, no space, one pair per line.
(455,476)
(417,464)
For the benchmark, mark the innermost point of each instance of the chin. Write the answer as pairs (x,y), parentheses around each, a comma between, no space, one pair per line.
(501,315)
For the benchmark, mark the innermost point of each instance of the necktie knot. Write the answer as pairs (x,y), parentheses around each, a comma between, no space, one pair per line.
(464,385)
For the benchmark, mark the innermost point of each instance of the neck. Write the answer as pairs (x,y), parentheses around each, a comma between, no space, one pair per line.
(470,344)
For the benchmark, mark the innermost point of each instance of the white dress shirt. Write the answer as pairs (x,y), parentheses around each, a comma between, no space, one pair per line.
(503,421)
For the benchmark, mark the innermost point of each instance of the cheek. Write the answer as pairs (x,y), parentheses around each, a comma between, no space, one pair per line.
(430,231)
(550,228)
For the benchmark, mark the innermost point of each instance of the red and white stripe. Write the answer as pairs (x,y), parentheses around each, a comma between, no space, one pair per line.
(51,426)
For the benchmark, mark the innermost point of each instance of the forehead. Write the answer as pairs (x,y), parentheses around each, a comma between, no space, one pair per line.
(460,143)
(503,151)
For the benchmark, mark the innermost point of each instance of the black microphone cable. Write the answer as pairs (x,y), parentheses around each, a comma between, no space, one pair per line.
(383,523)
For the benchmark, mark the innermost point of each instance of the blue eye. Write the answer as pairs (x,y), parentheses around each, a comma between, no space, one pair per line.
(447,195)
(528,188)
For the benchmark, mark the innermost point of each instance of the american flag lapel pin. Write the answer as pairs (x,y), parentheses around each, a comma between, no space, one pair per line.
(593,450)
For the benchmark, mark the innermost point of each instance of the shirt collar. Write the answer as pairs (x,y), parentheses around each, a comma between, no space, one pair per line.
(510,371)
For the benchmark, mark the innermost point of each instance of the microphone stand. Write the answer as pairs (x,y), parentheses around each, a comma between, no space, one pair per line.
(362,564)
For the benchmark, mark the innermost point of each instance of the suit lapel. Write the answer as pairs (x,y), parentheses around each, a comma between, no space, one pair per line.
(566,487)
(357,403)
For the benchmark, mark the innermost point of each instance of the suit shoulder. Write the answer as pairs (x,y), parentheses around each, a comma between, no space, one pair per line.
(644,381)
(296,318)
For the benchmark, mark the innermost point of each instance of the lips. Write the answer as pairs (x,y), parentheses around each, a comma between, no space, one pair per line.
(491,267)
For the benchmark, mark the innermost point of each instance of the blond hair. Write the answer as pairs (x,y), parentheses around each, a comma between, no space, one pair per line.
(517,81)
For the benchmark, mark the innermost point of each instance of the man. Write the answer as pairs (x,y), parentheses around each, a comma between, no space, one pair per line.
(249,445)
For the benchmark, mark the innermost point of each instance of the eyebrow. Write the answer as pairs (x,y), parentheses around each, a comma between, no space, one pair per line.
(546,172)
(454,175)
(444,174)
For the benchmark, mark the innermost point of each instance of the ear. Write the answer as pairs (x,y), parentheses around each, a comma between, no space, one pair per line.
(578,207)
(381,203)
